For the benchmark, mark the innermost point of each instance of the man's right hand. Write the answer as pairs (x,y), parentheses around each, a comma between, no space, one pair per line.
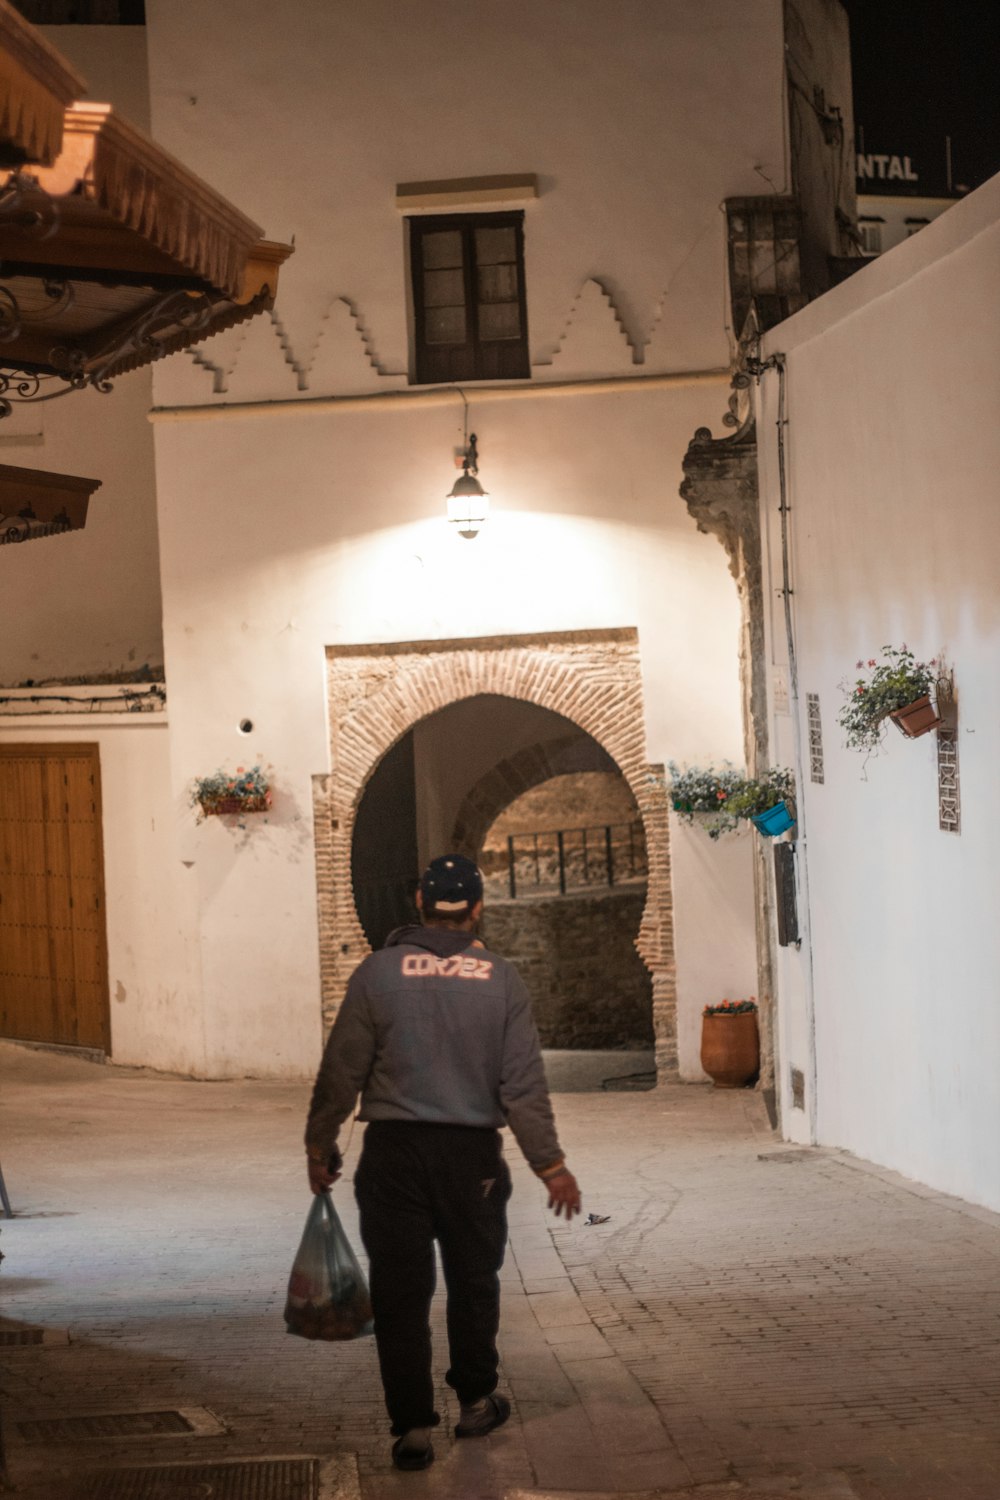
(564,1194)
(321,1178)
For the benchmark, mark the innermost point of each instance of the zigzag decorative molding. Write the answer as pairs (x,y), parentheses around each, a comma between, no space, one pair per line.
(265,367)
(257,361)
(194,377)
(665,342)
(219,355)
(343,356)
(218,375)
(593,341)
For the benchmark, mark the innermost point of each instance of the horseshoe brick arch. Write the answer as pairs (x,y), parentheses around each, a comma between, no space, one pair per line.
(377,693)
(520,773)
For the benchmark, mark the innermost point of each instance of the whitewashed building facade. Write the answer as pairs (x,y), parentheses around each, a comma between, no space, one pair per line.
(274,545)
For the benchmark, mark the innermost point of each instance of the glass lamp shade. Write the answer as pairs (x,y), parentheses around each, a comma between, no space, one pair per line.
(468,506)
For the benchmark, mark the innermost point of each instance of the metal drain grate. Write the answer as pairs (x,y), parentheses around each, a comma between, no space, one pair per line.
(30,1338)
(188,1421)
(257,1479)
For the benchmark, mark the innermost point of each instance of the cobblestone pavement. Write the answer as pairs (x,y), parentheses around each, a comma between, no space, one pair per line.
(752,1319)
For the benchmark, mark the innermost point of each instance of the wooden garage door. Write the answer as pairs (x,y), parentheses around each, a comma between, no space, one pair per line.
(53,947)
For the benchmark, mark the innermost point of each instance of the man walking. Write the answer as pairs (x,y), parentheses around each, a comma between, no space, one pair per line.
(436,1035)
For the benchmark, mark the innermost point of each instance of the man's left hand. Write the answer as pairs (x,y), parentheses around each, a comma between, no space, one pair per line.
(564,1193)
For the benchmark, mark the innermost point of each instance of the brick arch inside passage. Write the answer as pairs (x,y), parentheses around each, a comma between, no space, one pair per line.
(520,773)
(378,693)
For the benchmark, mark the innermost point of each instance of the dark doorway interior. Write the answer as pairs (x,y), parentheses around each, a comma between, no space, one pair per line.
(384,858)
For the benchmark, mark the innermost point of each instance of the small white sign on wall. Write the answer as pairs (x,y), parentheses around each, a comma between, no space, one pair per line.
(779,689)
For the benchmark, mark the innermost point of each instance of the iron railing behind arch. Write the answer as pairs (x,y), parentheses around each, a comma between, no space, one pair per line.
(560,860)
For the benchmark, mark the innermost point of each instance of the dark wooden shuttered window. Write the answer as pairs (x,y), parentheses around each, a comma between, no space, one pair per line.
(468,298)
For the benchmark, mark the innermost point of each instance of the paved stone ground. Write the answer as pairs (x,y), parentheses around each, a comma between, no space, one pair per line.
(752,1319)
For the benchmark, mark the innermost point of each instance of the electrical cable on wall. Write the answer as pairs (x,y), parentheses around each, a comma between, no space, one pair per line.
(758,369)
(143,700)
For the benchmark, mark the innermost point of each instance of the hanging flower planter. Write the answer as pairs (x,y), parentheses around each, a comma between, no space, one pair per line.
(775,820)
(697,790)
(730,1043)
(898,688)
(231,793)
(917,718)
(730,797)
(216,806)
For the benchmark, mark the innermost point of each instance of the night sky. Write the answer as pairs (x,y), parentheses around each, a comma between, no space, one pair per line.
(925,69)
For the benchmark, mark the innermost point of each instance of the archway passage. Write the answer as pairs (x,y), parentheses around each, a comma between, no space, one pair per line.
(562,852)
(380,693)
(441,785)
(565,875)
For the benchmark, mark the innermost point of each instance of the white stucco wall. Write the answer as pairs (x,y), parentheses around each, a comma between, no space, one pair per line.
(893,389)
(898,218)
(292,529)
(715,936)
(298,527)
(112,62)
(87,604)
(625,112)
(288,533)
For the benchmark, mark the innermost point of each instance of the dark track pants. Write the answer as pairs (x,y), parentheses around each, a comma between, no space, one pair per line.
(415,1184)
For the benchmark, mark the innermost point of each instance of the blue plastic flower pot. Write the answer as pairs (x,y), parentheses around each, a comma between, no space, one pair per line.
(777,819)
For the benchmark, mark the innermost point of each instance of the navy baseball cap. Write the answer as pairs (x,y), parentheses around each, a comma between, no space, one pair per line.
(451,884)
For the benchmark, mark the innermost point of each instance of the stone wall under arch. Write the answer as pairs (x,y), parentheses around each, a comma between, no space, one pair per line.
(376,693)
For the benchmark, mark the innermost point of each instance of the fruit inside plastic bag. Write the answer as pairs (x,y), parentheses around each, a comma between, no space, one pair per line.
(327,1291)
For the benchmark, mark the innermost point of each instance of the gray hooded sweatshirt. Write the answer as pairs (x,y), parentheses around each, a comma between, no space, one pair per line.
(435,1028)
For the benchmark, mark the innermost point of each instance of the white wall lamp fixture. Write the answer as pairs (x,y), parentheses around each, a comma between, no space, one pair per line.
(468,502)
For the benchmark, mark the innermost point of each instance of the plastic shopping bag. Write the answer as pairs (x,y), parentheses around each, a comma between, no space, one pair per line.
(327,1291)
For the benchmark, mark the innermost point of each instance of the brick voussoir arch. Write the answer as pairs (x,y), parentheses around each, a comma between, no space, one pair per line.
(378,693)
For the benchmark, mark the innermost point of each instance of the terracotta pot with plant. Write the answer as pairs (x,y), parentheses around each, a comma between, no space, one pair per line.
(730,1043)
(899,688)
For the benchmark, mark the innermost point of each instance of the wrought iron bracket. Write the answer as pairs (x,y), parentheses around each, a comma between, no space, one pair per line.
(76,369)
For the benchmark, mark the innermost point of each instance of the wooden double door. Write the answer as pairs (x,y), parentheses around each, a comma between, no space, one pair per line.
(53,943)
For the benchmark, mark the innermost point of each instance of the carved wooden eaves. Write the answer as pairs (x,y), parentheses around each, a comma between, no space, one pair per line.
(116,255)
(36,503)
(36,86)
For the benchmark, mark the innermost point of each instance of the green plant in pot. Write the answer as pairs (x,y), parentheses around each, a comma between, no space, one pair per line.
(898,688)
(768,800)
(730,797)
(705,789)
